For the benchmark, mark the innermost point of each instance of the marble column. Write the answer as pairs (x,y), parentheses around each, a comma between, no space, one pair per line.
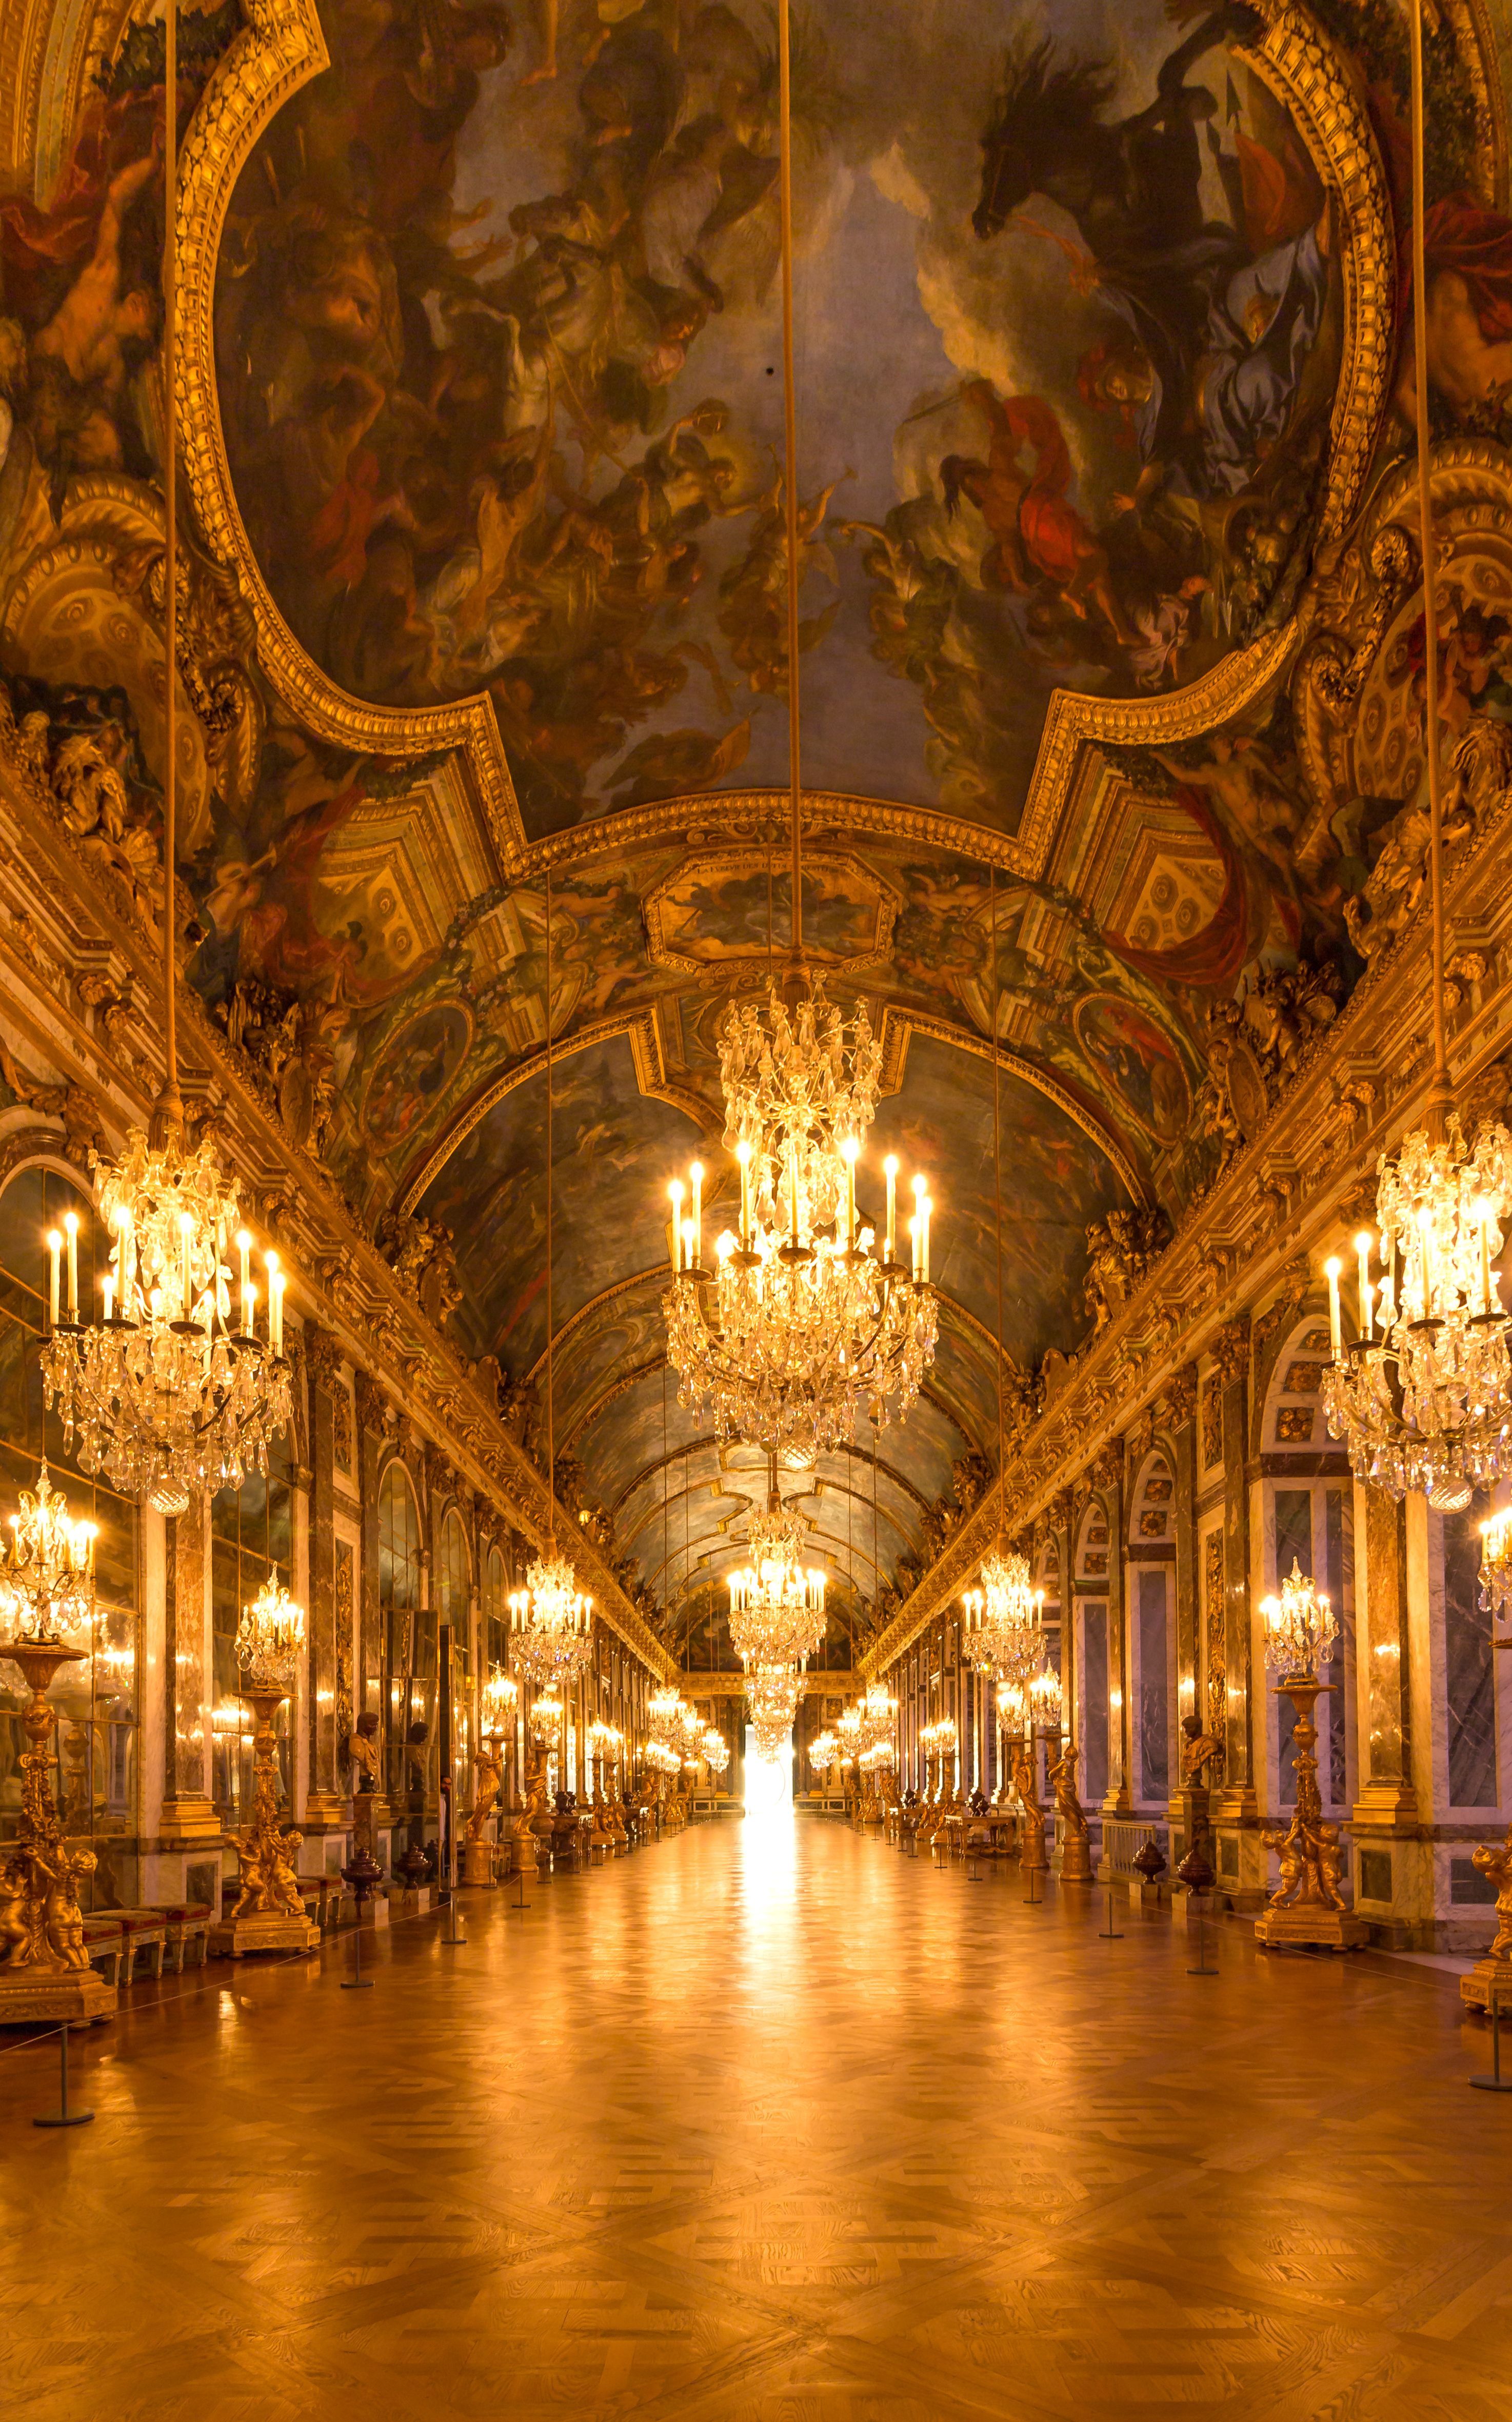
(324,1803)
(188,1813)
(1107,1476)
(1238,1803)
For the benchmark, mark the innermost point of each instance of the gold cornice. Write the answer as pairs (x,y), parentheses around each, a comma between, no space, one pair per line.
(71,929)
(1236,1244)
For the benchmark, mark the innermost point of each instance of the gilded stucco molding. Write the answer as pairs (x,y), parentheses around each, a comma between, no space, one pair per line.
(1352,1101)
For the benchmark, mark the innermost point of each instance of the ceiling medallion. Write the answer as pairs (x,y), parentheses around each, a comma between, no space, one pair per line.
(804,1317)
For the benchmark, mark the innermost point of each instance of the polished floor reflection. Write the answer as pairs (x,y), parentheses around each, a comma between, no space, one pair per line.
(768,2127)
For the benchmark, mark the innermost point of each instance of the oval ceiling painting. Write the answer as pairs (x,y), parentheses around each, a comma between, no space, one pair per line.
(499,356)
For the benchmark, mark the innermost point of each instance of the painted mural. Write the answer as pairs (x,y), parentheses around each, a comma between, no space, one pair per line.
(493,352)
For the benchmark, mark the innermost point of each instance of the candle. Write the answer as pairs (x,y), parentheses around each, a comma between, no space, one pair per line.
(925,1206)
(185,1280)
(55,1253)
(697,1221)
(688,1256)
(1484,1210)
(249,1306)
(277,1283)
(850,1148)
(243,1246)
(1425,1231)
(1367,1312)
(1363,1305)
(890,1165)
(913,1239)
(675,1190)
(743,1156)
(793,1192)
(125,1258)
(1334,1266)
(71,1229)
(109,1285)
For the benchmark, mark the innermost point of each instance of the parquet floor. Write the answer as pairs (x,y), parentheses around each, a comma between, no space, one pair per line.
(767,2129)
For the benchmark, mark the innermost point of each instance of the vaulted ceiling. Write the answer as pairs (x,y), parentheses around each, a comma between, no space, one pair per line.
(481,397)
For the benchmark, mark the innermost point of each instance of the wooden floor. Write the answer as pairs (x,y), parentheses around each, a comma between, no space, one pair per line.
(767,2128)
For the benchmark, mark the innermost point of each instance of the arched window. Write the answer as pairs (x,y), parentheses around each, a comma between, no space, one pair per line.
(96,1773)
(407,1697)
(251,1537)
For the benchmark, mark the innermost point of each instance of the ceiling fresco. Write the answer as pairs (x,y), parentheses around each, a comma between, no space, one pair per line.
(1106,420)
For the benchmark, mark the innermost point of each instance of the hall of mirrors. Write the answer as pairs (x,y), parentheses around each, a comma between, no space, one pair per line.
(756,1164)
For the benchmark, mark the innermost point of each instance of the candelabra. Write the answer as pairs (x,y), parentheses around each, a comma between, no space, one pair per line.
(1496,1568)
(45,1968)
(47,1567)
(1307,1905)
(268,1914)
(168,1395)
(939,1744)
(496,1713)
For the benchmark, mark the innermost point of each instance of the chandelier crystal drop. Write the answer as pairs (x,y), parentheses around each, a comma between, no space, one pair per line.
(802,1320)
(1003,1633)
(1300,1626)
(47,1586)
(552,1622)
(269,1639)
(1423,1395)
(173,1389)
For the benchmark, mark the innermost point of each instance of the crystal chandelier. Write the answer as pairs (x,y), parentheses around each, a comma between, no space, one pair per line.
(500,1699)
(715,1752)
(269,1638)
(661,1759)
(1422,1395)
(692,1731)
(1045,1700)
(777,1608)
(802,1320)
(1496,1563)
(168,1399)
(547,1716)
(823,1753)
(938,1738)
(170,1392)
(1003,1633)
(662,1709)
(772,1691)
(47,1585)
(551,1621)
(1300,1626)
(879,1759)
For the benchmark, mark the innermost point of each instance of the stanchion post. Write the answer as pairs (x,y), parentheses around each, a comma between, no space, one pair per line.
(1105,1933)
(63,2117)
(1201,1968)
(1496,2082)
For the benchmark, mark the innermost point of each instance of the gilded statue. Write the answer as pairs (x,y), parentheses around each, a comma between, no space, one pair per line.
(362,1749)
(1068,1808)
(488,1764)
(1309,1852)
(1494,1860)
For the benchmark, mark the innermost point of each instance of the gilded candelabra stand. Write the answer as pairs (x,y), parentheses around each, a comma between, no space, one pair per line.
(1307,1905)
(268,1914)
(501,1697)
(45,1968)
